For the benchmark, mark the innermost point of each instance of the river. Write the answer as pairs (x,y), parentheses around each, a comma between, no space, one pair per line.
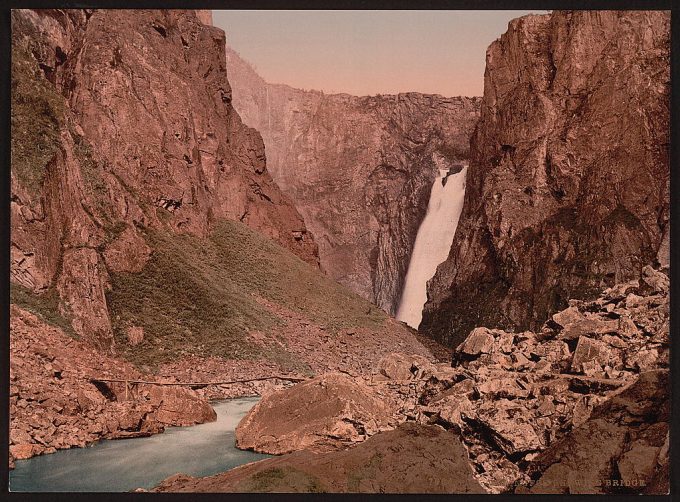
(125,464)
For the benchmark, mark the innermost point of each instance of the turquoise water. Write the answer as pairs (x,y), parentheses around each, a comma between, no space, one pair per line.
(125,464)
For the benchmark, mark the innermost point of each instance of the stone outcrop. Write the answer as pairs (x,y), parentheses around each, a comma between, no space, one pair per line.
(359,169)
(338,411)
(122,122)
(514,398)
(514,395)
(568,183)
(622,448)
(412,458)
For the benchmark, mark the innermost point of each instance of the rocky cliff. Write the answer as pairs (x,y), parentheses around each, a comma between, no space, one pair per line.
(568,184)
(149,241)
(122,124)
(359,169)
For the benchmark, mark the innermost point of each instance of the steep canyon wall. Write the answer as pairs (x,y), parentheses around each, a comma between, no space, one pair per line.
(568,184)
(122,123)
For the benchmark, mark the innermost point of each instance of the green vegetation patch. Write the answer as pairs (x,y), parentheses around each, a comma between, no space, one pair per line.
(37,115)
(199,296)
(263,267)
(44,305)
(281,479)
(368,471)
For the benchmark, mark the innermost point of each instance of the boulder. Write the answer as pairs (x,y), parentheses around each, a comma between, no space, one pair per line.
(412,458)
(452,409)
(619,449)
(479,341)
(589,355)
(658,281)
(24,450)
(568,316)
(327,412)
(180,406)
(588,326)
(506,422)
(399,366)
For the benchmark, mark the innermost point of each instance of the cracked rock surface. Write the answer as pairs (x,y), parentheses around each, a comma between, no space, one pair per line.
(518,401)
(412,458)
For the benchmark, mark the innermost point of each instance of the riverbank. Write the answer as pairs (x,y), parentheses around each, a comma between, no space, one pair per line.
(54,406)
(124,465)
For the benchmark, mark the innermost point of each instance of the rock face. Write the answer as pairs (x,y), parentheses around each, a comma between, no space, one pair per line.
(359,169)
(622,448)
(338,410)
(122,122)
(412,458)
(568,184)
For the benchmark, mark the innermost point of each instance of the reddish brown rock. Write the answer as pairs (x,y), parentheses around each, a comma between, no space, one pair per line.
(327,412)
(568,184)
(410,459)
(589,351)
(619,449)
(479,341)
(359,169)
(127,253)
(514,395)
(399,366)
(94,179)
(23,451)
(179,406)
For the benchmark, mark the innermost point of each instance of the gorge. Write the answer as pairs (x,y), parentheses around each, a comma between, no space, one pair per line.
(437,294)
(359,169)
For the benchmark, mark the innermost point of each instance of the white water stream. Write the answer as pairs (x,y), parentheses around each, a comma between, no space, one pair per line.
(433,243)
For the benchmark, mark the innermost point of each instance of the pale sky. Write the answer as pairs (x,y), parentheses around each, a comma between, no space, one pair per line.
(368,52)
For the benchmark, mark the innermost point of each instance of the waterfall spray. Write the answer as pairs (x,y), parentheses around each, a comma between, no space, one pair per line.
(433,243)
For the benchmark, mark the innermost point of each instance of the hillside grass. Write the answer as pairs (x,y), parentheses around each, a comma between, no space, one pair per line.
(44,305)
(198,296)
(37,116)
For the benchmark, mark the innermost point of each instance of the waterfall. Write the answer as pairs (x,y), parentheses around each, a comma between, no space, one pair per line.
(433,243)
